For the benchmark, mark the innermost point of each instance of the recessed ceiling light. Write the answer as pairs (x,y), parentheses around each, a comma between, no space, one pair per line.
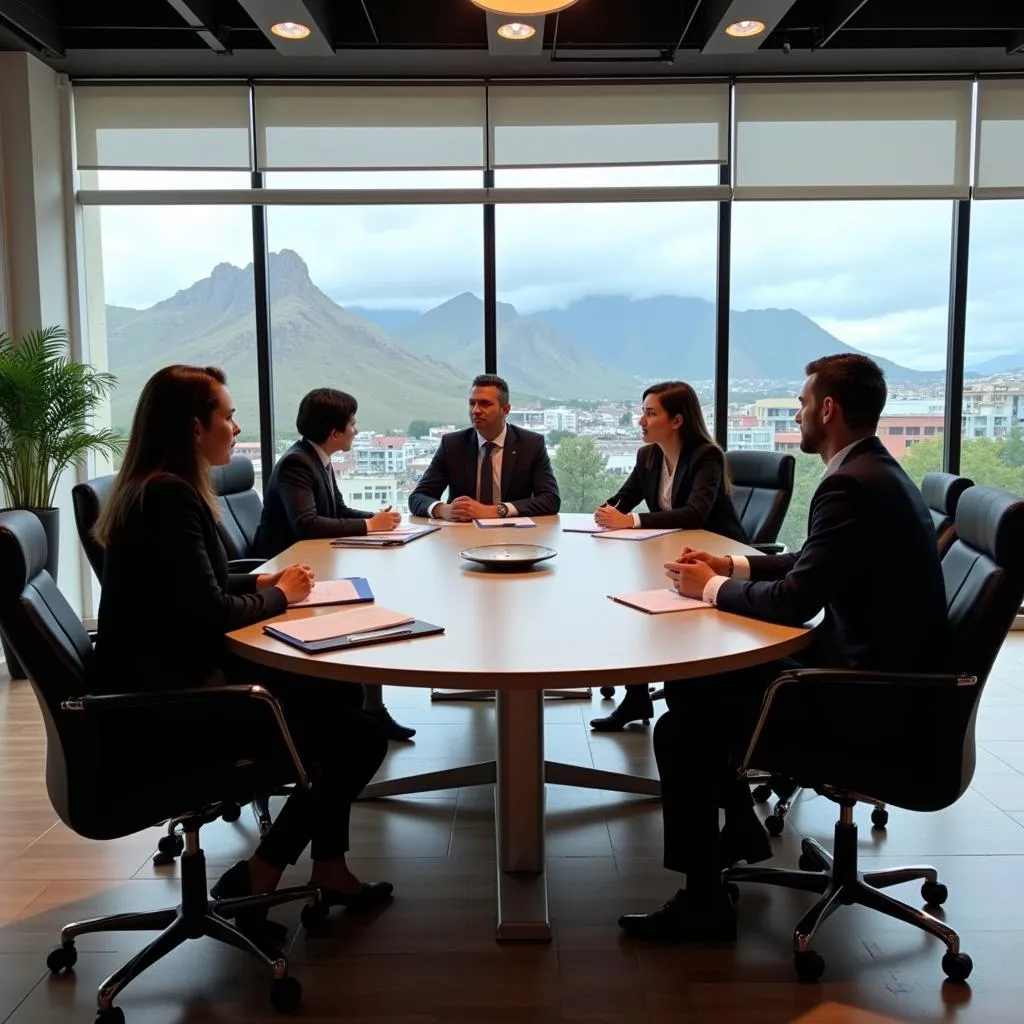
(743,29)
(524,8)
(516,30)
(290,30)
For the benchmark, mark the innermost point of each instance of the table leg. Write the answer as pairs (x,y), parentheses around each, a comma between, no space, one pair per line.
(519,814)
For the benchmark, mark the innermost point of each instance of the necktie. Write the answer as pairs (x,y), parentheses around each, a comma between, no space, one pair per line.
(487,475)
(332,507)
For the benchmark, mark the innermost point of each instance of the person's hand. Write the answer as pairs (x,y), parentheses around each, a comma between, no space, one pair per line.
(719,563)
(268,579)
(465,509)
(689,578)
(384,521)
(295,582)
(612,519)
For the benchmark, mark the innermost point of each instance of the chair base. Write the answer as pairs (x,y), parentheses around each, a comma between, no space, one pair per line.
(839,883)
(196,916)
(577,693)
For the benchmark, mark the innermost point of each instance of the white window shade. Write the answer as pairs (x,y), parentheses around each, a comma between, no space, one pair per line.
(597,125)
(341,128)
(157,127)
(999,150)
(852,140)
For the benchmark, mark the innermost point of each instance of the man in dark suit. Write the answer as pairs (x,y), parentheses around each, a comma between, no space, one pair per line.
(303,502)
(492,470)
(865,512)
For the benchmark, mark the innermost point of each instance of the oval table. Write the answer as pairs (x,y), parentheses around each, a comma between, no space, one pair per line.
(519,634)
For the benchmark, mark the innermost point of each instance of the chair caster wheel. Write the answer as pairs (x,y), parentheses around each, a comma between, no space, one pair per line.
(608,692)
(762,793)
(231,812)
(774,824)
(879,817)
(314,915)
(809,965)
(286,994)
(263,825)
(62,958)
(171,845)
(957,966)
(113,1015)
(809,863)
(732,890)
(934,893)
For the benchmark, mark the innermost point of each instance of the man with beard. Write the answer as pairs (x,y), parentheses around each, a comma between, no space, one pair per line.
(871,562)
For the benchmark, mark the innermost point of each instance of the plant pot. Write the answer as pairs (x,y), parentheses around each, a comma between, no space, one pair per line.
(50,519)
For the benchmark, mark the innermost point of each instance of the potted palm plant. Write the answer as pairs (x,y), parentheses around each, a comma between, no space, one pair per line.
(47,403)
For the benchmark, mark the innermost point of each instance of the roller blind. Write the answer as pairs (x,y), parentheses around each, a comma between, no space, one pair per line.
(999,150)
(593,125)
(158,127)
(852,140)
(369,128)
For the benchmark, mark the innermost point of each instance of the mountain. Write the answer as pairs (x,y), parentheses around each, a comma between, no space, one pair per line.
(998,364)
(315,343)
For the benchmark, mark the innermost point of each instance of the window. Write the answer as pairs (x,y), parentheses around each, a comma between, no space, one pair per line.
(596,300)
(814,278)
(384,302)
(992,451)
(913,431)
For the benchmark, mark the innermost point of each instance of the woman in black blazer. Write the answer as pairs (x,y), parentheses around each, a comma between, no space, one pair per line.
(680,472)
(164,629)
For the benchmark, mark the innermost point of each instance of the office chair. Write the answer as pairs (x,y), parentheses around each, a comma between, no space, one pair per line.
(241,507)
(941,493)
(761,488)
(94,743)
(984,577)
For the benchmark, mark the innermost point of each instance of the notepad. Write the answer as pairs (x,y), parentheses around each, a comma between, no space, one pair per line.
(586,528)
(351,590)
(393,538)
(657,602)
(632,534)
(337,624)
(515,521)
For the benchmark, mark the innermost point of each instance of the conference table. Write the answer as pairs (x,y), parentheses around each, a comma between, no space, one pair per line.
(520,633)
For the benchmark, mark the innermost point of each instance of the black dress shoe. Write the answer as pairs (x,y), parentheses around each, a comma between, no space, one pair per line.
(684,920)
(237,881)
(369,897)
(634,708)
(748,842)
(391,728)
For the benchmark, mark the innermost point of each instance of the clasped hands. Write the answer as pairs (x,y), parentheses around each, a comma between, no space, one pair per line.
(294,581)
(464,510)
(610,518)
(691,571)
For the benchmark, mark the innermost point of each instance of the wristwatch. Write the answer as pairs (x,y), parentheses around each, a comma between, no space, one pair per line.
(502,510)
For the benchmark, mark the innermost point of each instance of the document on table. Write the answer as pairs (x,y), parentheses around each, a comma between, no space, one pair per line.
(352,590)
(344,623)
(585,528)
(657,602)
(632,534)
(491,524)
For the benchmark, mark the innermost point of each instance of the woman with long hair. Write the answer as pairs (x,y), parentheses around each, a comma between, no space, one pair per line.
(167,600)
(680,473)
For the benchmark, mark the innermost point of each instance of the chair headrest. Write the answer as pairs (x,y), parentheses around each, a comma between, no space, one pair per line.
(22,551)
(234,478)
(942,491)
(992,521)
(761,469)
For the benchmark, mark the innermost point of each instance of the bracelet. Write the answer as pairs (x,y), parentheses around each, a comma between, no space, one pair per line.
(728,558)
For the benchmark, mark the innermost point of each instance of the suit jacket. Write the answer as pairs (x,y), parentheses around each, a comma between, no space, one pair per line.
(526,476)
(302,503)
(870,560)
(166,630)
(699,498)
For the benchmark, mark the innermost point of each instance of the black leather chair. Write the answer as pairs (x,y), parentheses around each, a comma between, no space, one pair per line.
(241,508)
(87,500)
(984,575)
(941,493)
(762,488)
(87,761)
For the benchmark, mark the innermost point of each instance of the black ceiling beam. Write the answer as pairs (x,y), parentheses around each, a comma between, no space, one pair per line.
(199,15)
(34,21)
(314,14)
(839,17)
(719,14)
(1016,44)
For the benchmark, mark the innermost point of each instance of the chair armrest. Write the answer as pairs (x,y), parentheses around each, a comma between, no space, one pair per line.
(203,695)
(770,549)
(855,677)
(245,564)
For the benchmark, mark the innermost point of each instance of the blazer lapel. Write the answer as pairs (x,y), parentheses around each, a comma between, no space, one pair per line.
(508,461)
(681,470)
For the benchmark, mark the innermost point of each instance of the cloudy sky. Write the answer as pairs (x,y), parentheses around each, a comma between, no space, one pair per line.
(875,274)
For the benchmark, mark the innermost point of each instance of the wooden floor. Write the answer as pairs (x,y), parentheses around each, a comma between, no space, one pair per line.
(431,956)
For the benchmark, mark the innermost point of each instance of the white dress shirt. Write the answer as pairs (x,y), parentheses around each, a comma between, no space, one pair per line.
(664,491)
(740,563)
(324,457)
(496,459)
